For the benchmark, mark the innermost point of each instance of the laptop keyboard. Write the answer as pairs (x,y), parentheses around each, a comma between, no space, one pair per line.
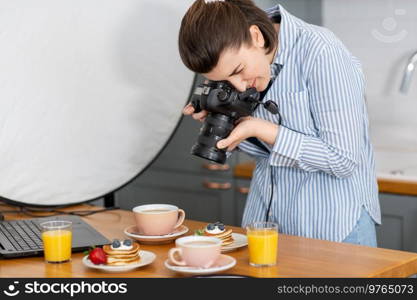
(21,235)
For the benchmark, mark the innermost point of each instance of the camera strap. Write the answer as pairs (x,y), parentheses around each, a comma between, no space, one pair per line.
(254,140)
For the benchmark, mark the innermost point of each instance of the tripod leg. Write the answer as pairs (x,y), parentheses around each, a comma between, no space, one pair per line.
(109,200)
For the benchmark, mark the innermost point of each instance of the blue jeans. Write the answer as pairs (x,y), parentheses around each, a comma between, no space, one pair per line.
(364,231)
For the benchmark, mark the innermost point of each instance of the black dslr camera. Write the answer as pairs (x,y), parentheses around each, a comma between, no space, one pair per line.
(225,105)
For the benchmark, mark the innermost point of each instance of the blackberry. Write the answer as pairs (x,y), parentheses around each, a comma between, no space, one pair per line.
(127,242)
(116,244)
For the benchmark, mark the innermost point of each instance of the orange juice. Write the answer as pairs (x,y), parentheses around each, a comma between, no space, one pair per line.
(263,246)
(57,245)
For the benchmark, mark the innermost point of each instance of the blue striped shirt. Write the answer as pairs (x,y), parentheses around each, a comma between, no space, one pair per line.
(321,170)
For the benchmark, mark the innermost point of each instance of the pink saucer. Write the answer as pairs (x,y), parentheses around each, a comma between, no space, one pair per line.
(132,232)
(224,262)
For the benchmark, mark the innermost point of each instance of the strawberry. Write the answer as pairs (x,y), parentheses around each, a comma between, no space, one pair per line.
(97,256)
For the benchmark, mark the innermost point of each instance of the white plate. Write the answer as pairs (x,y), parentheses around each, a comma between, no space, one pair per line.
(240,240)
(146,258)
(224,263)
(131,231)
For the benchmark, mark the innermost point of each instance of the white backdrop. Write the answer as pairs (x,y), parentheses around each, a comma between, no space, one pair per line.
(90,92)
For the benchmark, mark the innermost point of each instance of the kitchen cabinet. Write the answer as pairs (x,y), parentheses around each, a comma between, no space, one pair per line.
(399,222)
(202,197)
(240,193)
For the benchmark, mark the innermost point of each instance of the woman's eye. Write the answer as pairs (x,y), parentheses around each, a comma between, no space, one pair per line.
(240,71)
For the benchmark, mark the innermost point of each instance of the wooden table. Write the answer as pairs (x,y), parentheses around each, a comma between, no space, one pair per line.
(297,256)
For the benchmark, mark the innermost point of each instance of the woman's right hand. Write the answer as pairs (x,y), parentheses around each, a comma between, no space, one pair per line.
(189,110)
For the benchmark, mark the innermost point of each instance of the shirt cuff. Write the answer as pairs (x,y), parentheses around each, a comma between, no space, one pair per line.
(287,148)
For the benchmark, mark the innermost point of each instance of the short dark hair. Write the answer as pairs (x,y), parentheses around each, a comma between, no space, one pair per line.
(208,28)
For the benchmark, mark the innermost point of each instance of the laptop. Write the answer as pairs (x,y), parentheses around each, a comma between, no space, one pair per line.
(23,237)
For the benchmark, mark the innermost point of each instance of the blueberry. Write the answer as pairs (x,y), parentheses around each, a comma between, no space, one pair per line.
(210,226)
(221,226)
(116,244)
(127,242)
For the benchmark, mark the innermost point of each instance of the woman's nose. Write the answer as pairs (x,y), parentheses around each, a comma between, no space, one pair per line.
(239,84)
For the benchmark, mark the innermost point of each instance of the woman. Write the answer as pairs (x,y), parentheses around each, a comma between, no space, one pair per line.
(315,173)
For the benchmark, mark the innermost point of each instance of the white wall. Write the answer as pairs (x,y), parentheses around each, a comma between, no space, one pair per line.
(382,34)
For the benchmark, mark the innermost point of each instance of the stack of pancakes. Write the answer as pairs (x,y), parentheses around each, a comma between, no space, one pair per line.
(120,257)
(225,236)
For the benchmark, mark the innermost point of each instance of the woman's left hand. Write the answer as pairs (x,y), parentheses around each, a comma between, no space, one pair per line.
(250,127)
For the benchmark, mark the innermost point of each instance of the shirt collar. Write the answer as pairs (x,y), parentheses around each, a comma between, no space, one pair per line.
(287,33)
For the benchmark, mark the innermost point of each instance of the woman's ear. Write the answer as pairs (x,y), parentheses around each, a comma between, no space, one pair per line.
(257,36)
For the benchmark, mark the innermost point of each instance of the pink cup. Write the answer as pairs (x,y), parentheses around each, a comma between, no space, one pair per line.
(158,219)
(196,251)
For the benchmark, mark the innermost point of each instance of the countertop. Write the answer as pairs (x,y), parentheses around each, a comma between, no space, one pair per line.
(386,185)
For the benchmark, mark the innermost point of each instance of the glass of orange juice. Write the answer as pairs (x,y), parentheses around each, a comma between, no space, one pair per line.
(57,238)
(262,243)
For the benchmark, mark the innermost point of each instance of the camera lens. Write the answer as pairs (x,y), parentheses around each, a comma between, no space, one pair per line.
(215,128)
